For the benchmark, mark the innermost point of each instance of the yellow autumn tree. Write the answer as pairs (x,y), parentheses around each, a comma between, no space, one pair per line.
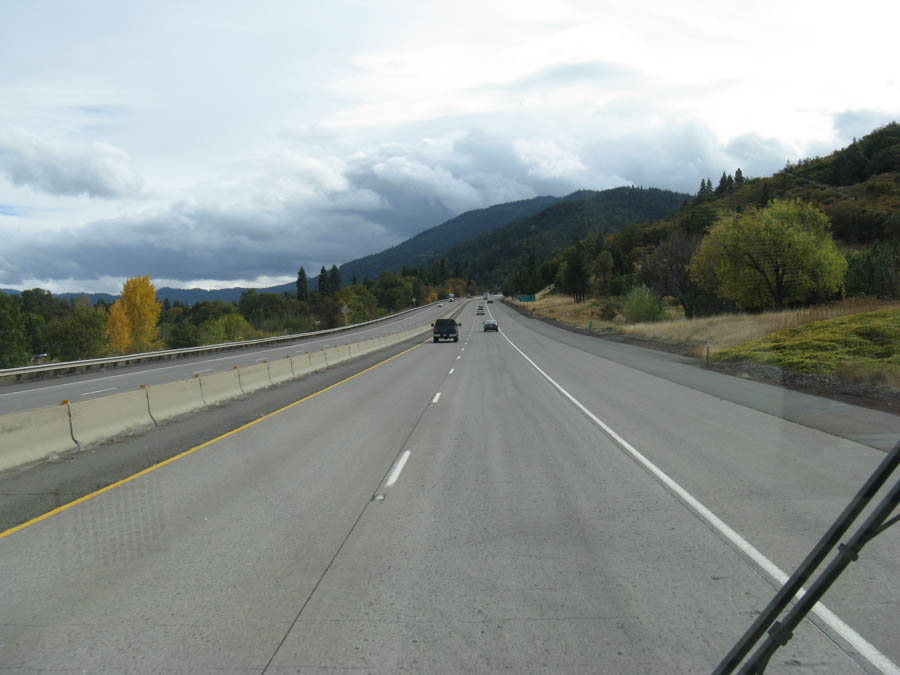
(134,318)
(117,326)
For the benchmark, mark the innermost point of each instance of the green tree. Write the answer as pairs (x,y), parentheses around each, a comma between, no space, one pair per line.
(642,304)
(768,257)
(722,187)
(302,285)
(13,341)
(875,271)
(393,291)
(81,334)
(324,282)
(334,279)
(576,275)
(361,302)
(602,269)
(738,178)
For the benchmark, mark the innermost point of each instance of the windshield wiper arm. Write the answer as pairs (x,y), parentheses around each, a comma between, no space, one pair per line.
(781,632)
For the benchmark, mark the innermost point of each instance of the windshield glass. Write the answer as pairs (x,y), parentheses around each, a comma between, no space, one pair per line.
(257,408)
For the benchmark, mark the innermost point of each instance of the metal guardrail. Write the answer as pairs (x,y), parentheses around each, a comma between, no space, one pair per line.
(23,372)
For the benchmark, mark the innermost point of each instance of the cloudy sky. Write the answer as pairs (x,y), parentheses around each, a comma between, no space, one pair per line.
(226,143)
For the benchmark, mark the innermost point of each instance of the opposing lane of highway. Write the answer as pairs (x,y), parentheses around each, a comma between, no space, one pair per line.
(514,533)
(81,386)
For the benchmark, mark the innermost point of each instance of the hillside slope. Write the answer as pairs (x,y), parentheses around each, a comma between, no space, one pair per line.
(425,246)
(492,256)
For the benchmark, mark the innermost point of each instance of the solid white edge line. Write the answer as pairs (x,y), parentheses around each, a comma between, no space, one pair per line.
(398,467)
(437,397)
(857,641)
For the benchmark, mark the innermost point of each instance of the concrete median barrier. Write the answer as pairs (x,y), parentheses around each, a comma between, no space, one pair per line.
(281,370)
(219,387)
(301,365)
(174,398)
(336,355)
(255,377)
(317,361)
(103,418)
(30,436)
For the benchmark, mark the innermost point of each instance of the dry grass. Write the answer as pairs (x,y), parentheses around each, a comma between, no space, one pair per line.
(563,308)
(729,330)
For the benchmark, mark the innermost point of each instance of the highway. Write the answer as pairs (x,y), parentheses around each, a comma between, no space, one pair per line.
(506,503)
(81,386)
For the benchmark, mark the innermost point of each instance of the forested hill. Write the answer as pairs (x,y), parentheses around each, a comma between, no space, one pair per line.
(494,255)
(858,188)
(423,247)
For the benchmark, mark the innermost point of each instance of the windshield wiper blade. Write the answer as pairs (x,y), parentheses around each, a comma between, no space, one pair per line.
(781,632)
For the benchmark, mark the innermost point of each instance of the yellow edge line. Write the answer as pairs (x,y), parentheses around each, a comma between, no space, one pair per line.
(128,479)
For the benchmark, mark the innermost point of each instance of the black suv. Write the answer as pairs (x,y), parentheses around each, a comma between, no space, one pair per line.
(446,329)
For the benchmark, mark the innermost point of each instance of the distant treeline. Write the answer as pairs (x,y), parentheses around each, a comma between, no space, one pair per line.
(35,325)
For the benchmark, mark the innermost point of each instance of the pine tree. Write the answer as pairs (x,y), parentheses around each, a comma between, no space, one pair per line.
(302,285)
(334,279)
(722,187)
(738,178)
(324,285)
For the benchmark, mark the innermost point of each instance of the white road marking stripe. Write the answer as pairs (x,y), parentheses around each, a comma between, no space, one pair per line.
(857,641)
(451,371)
(437,397)
(205,370)
(398,467)
(99,391)
(459,357)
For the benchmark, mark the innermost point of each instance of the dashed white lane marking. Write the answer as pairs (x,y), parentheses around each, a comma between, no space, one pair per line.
(451,371)
(459,357)
(437,397)
(859,643)
(99,391)
(205,370)
(398,467)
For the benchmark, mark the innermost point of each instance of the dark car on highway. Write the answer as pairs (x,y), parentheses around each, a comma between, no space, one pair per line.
(445,329)
(491,324)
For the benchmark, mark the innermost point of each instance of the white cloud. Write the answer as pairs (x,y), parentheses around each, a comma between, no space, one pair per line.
(275,135)
(57,167)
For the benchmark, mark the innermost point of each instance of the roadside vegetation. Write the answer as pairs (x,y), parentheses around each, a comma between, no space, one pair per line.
(860,348)
(744,263)
(35,325)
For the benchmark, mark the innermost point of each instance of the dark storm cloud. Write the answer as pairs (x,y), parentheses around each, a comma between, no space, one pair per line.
(60,168)
(197,242)
(299,208)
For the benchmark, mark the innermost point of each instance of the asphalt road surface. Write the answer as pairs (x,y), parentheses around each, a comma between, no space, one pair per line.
(85,385)
(463,507)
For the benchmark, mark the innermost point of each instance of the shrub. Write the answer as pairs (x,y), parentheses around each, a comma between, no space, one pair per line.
(609,311)
(642,305)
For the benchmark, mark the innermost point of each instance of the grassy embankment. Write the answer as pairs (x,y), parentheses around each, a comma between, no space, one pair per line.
(857,339)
